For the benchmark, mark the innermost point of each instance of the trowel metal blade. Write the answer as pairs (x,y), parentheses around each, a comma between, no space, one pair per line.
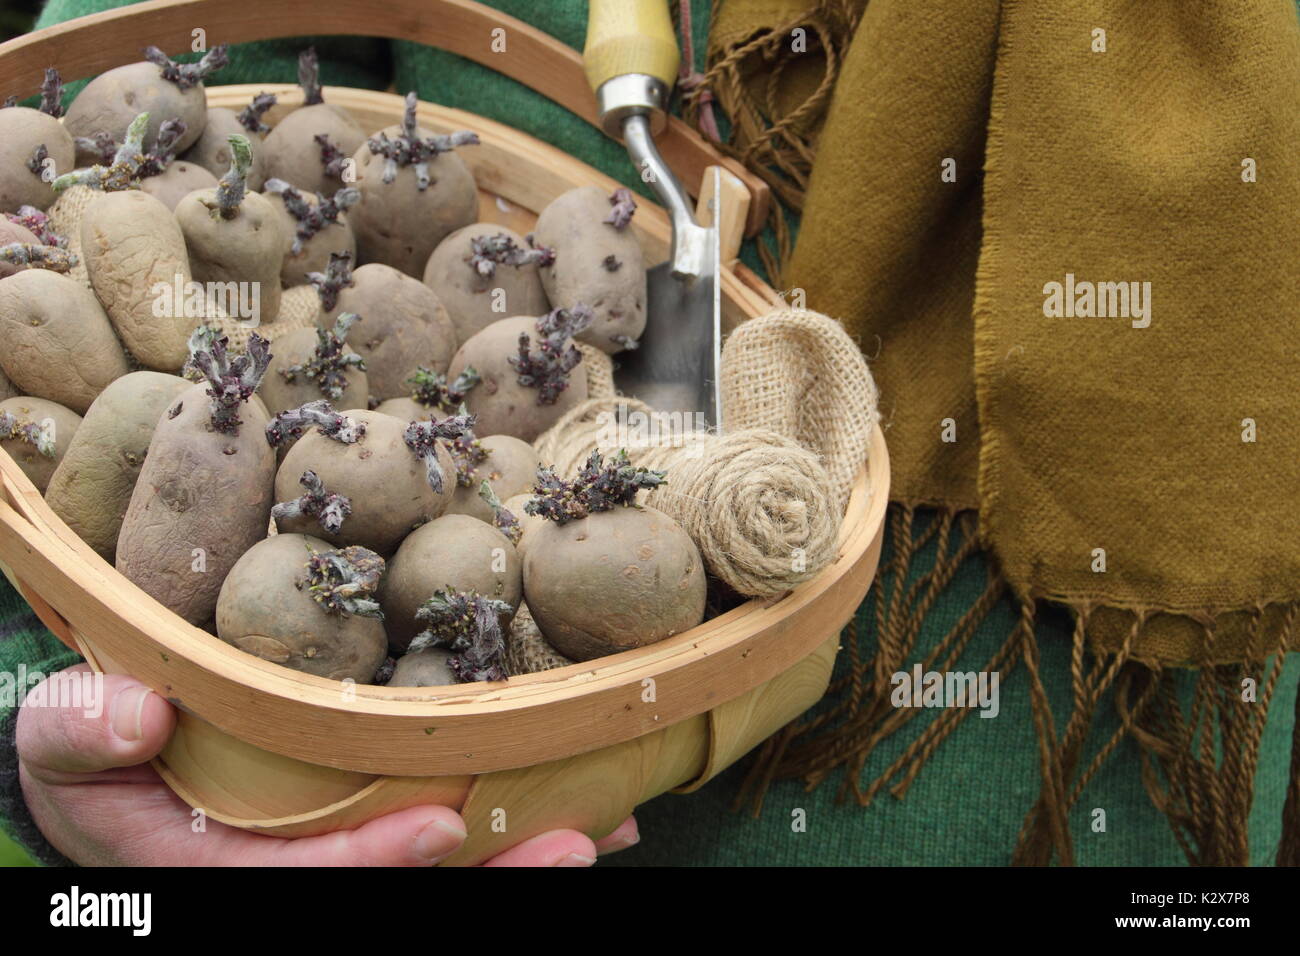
(676,368)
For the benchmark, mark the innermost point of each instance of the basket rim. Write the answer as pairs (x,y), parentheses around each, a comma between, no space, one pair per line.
(467,729)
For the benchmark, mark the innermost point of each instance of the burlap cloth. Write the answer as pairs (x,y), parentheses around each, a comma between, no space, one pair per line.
(527,650)
(969,154)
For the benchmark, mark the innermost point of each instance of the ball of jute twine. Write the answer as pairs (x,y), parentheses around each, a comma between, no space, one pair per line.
(763,500)
(757,504)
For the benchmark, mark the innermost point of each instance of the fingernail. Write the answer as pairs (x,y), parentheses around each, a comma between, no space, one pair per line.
(431,842)
(622,844)
(576,859)
(126,713)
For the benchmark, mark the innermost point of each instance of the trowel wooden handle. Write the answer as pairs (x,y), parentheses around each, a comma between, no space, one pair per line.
(630,36)
(734,199)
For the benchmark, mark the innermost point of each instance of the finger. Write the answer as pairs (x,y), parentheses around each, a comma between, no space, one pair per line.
(146,824)
(556,848)
(625,836)
(115,722)
(420,836)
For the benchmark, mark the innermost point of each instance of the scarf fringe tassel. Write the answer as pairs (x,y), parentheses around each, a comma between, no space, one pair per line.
(1198,762)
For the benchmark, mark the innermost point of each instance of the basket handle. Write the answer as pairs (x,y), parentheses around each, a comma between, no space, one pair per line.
(93,44)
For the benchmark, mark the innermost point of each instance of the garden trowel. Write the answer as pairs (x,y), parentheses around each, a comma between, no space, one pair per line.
(631,61)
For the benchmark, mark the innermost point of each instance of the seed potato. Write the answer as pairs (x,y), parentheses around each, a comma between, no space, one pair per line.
(474,300)
(399,224)
(383,479)
(22,131)
(112,100)
(202,499)
(403,326)
(297,348)
(455,551)
(55,340)
(91,488)
(58,423)
(614,288)
(246,248)
(613,581)
(266,609)
(132,246)
(500,403)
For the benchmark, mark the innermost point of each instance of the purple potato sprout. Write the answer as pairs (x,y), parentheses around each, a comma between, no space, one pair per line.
(35,256)
(163,154)
(624,206)
(38,224)
(331,157)
(599,486)
(423,437)
(468,625)
(329,364)
(231,381)
(309,77)
(407,149)
(503,518)
(39,435)
(102,145)
(488,252)
(467,452)
(344,581)
(433,391)
(312,218)
(336,277)
(327,507)
(250,117)
(293,424)
(188,75)
(52,94)
(36,162)
(547,369)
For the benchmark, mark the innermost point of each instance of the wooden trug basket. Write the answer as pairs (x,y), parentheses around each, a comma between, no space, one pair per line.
(266,748)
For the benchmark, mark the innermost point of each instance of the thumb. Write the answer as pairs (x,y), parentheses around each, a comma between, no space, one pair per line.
(78,722)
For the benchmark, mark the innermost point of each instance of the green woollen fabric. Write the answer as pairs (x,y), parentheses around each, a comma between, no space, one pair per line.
(967,805)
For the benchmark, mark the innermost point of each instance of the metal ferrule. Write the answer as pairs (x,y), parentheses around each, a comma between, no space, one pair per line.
(632,94)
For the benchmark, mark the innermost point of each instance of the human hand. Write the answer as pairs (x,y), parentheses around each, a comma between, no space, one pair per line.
(91,791)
